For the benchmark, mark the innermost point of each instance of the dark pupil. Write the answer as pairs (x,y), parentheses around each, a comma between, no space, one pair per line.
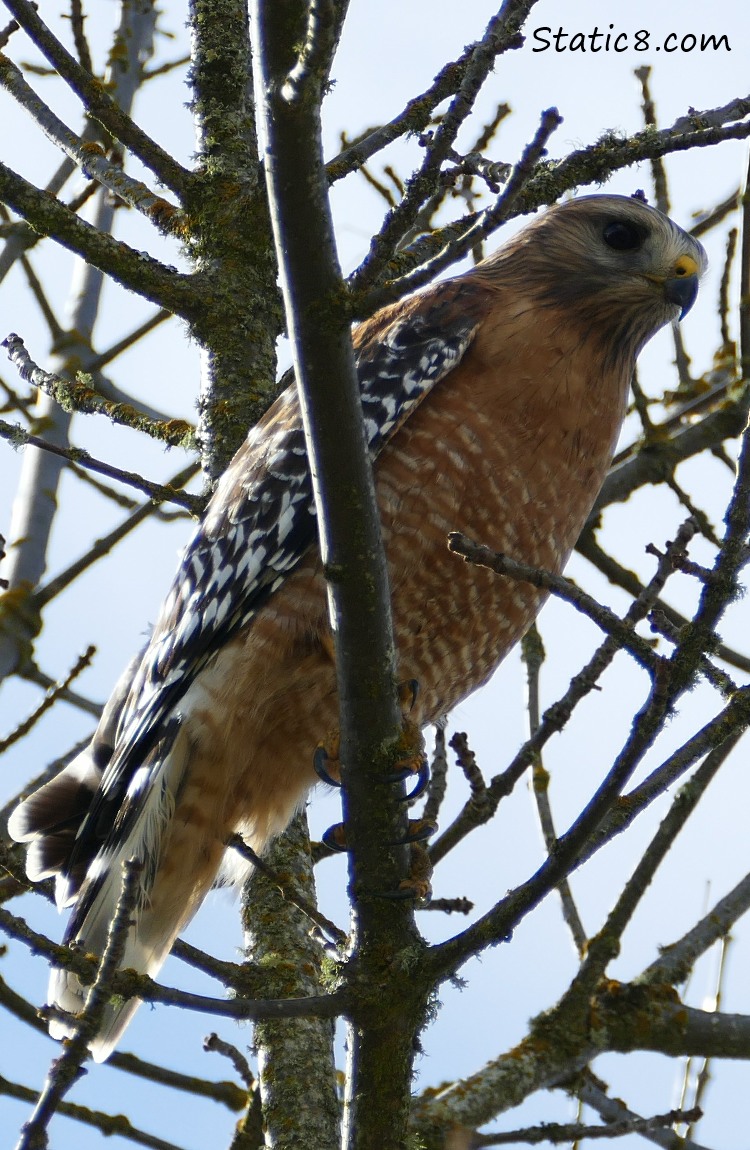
(622,237)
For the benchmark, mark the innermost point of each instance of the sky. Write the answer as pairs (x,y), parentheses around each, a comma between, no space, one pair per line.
(390,51)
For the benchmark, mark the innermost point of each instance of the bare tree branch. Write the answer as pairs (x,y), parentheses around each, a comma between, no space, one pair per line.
(16,435)
(149,277)
(90,158)
(98,102)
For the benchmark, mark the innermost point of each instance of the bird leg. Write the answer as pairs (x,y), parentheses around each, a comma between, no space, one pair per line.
(418,830)
(412,760)
(417,885)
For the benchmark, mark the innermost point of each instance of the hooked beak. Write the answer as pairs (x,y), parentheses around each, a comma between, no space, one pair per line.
(681,287)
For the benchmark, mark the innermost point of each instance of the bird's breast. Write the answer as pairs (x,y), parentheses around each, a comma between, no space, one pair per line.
(513,462)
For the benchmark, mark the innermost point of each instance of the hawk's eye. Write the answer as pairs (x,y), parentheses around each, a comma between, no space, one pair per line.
(623,237)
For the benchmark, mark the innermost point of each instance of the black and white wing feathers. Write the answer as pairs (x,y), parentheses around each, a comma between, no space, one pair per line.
(258,526)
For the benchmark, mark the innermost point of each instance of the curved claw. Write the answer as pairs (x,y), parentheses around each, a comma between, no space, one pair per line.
(407,694)
(422,776)
(419,830)
(335,838)
(320,758)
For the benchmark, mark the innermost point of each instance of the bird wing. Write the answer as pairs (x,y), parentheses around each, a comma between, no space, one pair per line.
(258,526)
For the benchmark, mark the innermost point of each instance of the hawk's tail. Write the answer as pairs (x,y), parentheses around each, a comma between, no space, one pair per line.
(49,821)
(146,948)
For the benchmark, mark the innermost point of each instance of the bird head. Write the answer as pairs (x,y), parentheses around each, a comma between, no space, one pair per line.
(616,266)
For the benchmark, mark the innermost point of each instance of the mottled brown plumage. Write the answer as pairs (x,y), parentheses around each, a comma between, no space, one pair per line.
(493,403)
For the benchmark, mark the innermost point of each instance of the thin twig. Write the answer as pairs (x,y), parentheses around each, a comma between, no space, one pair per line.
(724,287)
(414,117)
(658,171)
(238,844)
(678,958)
(744,340)
(720,732)
(152,279)
(556,1132)
(591,1091)
(449,905)
(213,1043)
(620,576)
(705,221)
(438,776)
(606,944)
(77,20)
(704,1074)
(107,1124)
(91,157)
(53,325)
(66,1069)
(33,674)
(501,33)
(661,194)
(164,69)
(49,700)
(7,32)
(97,101)
(456,248)
(713,117)
(676,439)
(19,437)
(564,589)
(466,760)
(79,396)
(226,1093)
(532,653)
(229,973)
(132,985)
(104,545)
(112,352)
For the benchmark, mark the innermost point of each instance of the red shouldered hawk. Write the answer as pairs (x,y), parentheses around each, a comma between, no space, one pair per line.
(492,405)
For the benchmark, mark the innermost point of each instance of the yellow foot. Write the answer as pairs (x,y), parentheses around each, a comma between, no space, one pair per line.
(418,830)
(412,759)
(418,885)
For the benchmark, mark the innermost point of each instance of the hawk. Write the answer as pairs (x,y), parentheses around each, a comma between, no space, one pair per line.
(492,405)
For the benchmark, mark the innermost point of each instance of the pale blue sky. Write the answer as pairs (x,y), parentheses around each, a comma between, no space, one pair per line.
(390,51)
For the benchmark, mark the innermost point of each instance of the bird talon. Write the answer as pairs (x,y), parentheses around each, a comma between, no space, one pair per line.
(419,889)
(321,760)
(420,786)
(412,759)
(419,830)
(408,690)
(417,886)
(335,838)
